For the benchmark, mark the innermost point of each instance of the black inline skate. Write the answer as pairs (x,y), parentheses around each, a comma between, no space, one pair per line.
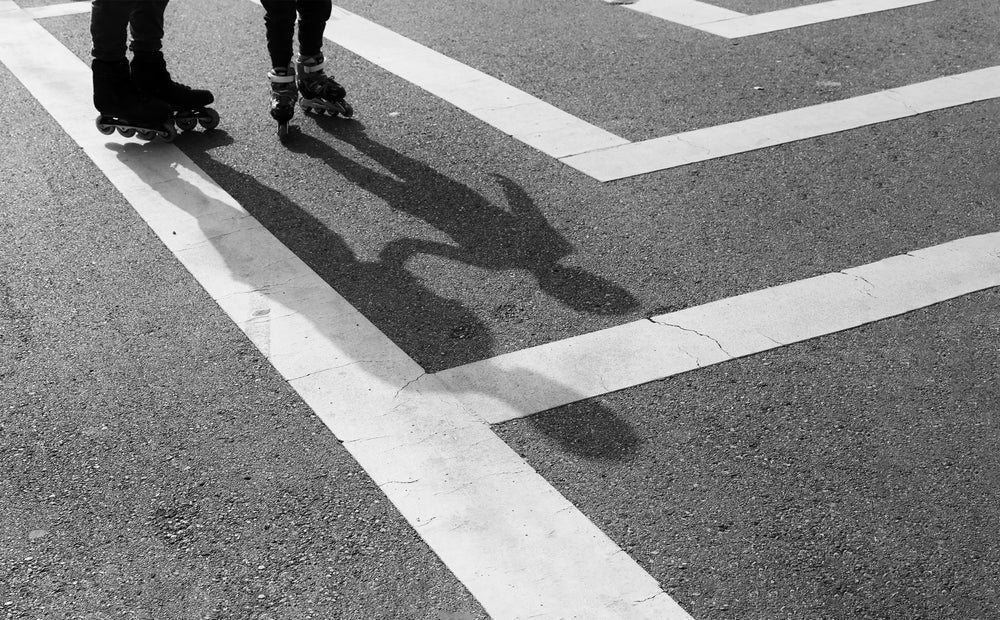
(150,75)
(124,109)
(284,94)
(320,92)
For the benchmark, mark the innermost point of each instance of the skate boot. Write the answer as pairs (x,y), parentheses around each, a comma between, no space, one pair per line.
(150,75)
(320,92)
(284,94)
(123,108)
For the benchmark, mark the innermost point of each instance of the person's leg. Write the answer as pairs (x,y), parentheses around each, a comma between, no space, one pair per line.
(313,15)
(109,29)
(149,67)
(320,92)
(279,24)
(115,96)
(146,25)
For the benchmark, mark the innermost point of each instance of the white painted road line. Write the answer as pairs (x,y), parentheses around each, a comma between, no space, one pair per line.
(732,25)
(512,111)
(802,16)
(526,382)
(58,10)
(607,157)
(784,127)
(519,547)
(684,12)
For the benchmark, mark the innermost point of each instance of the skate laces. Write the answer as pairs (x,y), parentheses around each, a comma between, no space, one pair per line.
(318,84)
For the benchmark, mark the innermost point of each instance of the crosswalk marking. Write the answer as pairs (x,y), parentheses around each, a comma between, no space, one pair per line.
(693,13)
(514,112)
(553,131)
(532,380)
(425,441)
(732,25)
(607,157)
(58,10)
(684,12)
(520,548)
(765,131)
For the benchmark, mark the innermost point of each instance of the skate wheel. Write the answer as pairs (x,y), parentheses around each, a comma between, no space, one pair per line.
(211,121)
(168,133)
(312,108)
(146,134)
(186,124)
(282,131)
(128,132)
(103,127)
(348,111)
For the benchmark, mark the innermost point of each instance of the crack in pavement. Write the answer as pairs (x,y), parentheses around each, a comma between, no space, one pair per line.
(694,331)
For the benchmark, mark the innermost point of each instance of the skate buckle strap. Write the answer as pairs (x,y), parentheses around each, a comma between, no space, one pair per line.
(313,68)
(280,79)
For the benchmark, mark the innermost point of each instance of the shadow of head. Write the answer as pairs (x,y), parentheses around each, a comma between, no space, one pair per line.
(588,429)
(584,291)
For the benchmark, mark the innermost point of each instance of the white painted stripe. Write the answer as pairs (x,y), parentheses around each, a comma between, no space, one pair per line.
(526,382)
(683,12)
(802,16)
(774,129)
(512,111)
(58,10)
(731,24)
(520,548)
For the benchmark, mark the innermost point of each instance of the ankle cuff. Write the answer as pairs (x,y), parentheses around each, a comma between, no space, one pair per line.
(288,75)
(311,64)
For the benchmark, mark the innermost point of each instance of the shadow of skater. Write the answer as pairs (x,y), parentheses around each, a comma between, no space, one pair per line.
(384,291)
(595,433)
(486,235)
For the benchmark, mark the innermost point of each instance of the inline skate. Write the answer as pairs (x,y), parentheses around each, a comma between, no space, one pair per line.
(320,92)
(124,109)
(284,94)
(189,105)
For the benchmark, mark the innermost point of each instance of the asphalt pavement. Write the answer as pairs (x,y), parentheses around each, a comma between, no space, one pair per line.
(156,465)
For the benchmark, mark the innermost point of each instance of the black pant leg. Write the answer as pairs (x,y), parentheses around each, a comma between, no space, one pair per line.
(109,28)
(146,25)
(279,24)
(313,15)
